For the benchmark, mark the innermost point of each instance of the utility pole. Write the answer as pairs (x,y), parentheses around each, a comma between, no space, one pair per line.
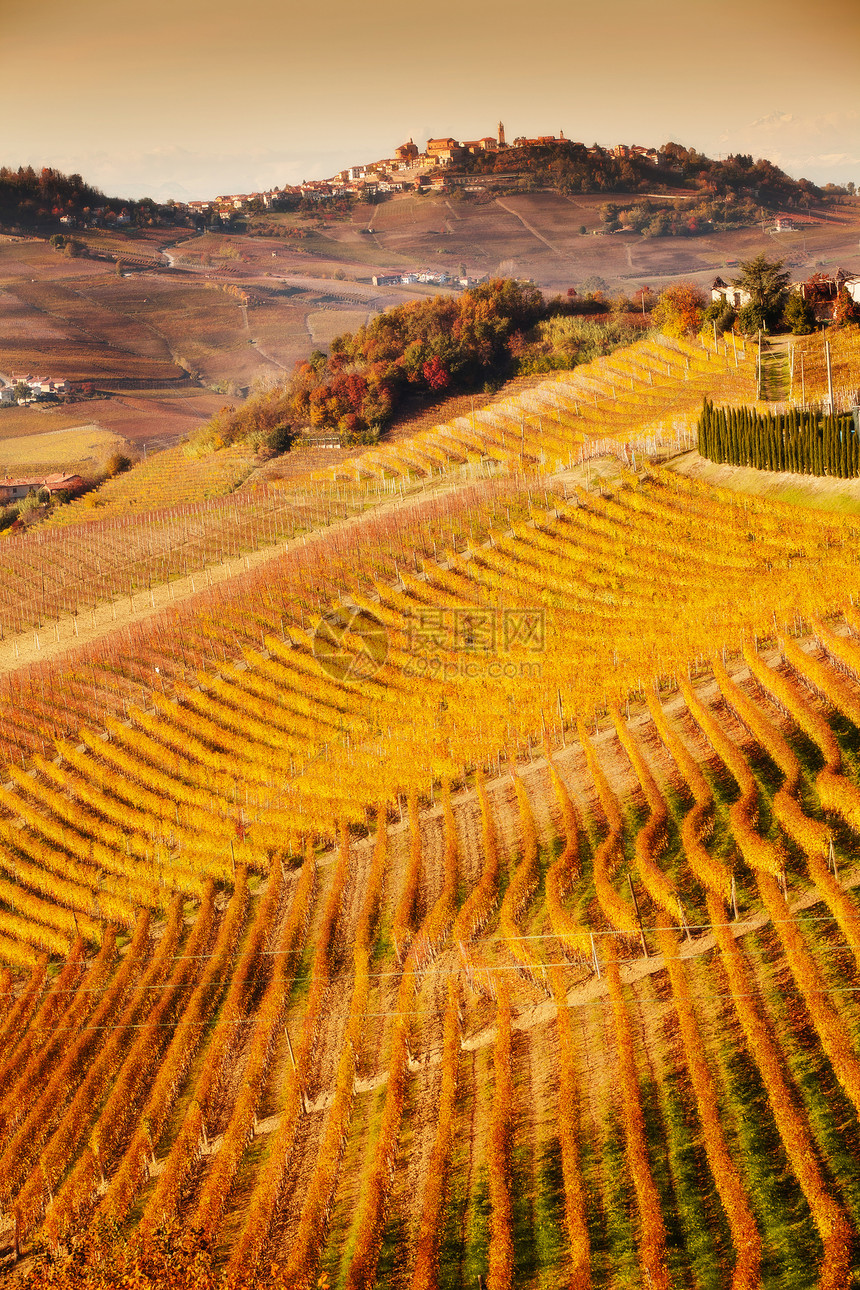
(802,383)
(829,377)
(791,373)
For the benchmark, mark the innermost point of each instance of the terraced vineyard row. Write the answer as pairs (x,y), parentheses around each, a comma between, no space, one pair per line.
(176,513)
(709,1055)
(650,390)
(810,378)
(173,477)
(557,610)
(58,570)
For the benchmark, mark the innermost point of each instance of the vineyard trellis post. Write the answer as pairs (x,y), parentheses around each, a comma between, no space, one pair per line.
(638,915)
(594,956)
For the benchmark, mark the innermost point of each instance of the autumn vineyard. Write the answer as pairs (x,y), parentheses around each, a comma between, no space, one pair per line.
(462,892)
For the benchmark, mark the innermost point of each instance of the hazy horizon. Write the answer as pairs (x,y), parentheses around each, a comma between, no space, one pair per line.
(188,100)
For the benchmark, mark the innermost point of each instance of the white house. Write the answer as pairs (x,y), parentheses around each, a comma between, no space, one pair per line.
(729,294)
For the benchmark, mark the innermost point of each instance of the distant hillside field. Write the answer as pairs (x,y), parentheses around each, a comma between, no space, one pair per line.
(82,448)
(209,315)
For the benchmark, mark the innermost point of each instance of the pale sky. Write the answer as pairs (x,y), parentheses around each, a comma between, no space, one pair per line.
(191,98)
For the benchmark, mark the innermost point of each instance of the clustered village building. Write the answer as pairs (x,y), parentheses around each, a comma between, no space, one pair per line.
(21,389)
(407,168)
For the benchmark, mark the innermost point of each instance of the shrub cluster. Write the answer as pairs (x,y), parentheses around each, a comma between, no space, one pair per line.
(437,347)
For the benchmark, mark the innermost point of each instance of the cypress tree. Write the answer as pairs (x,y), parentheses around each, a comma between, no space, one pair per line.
(736,439)
(832,447)
(702,428)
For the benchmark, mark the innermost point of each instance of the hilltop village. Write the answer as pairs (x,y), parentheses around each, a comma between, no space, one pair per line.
(412,167)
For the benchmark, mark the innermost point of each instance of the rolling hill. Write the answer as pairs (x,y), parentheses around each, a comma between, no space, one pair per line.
(458,886)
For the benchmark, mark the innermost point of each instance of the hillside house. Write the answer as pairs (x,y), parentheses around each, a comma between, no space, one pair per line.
(61,483)
(729,294)
(15,490)
(820,291)
(316,190)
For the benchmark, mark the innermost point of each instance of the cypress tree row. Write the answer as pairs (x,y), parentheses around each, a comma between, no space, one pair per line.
(805,443)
